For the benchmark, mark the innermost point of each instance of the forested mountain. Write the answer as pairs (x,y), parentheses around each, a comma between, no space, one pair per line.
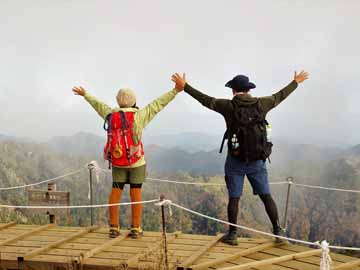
(313,215)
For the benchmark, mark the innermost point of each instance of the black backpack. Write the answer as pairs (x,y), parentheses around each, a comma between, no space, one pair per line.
(246,134)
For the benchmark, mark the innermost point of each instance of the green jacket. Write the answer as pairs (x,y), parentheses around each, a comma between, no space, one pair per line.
(142,116)
(226,106)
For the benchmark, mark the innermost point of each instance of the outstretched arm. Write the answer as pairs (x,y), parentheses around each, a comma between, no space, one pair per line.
(275,99)
(101,108)
(145,115)
(218,105)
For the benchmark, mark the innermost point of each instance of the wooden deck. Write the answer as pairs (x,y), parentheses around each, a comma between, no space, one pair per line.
(52,247)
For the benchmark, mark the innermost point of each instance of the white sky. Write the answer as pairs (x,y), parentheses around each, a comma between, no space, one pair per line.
(49,46)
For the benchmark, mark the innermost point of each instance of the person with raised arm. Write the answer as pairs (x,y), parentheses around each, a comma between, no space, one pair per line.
(124,149)
(249,143)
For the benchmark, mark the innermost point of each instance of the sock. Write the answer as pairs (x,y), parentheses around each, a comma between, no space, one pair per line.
(115,197)
(233,209)
(271,210)
(136,209)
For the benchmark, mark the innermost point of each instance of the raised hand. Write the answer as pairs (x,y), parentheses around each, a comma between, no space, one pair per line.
(79,91)
(302,76)
(179,81)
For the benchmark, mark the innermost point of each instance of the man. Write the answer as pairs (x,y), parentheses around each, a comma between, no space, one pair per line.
(248,144)
(124,149)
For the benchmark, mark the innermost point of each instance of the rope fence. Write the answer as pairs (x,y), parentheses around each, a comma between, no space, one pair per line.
(93,166)
(44,181)
(75,206)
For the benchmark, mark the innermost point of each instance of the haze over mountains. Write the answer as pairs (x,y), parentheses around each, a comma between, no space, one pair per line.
(197,152)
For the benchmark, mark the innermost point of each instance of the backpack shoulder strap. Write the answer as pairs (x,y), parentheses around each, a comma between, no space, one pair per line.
(107,123)
(225,137)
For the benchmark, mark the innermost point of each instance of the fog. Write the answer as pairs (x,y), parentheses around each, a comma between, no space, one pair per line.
(47,47)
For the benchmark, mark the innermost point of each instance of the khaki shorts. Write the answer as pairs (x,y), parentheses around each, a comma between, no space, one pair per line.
(129,175)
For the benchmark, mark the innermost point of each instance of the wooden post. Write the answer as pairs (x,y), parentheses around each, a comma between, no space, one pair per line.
(52,217)
(162,197)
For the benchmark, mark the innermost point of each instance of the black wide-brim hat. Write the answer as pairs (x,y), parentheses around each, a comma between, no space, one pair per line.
(240,83)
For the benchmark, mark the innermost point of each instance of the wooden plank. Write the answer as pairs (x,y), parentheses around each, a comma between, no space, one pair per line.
(200,252)
(7,225)
(92,252)
(292,264)
(37,251)
(90,241)
(234,256)
(347,265)
(25,234)
(173,246)
(133,261)
(26,243)
(335,256)
(257,264)
(277,252)
(196,242)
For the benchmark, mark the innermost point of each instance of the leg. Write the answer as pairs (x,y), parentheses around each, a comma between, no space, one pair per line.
(136,209)
(233,210)
(136,178)
(258,177)
(115,197)
(234,179)
(119,179)
(271,210)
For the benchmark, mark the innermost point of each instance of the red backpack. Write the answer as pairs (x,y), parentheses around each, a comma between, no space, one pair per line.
(123,148)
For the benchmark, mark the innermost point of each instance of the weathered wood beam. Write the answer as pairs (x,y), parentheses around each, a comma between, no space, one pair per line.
(347,265)
(25,234)
(133,261)
(200,252)
(290,257)
(7,225)
(37,251)
(234,256)
(92,252)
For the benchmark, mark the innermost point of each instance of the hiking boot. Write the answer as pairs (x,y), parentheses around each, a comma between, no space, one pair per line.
(230,238)
(136,232)
(114,232)
(280,232)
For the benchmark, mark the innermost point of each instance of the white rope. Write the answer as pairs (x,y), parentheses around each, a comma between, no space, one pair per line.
(270,183)
(325,188)
(199,183)
(185,183)
(221,184)
(326,261)
(74,206)
(42,182)
(261,232)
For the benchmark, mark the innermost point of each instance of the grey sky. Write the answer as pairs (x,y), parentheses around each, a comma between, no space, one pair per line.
(49,46)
